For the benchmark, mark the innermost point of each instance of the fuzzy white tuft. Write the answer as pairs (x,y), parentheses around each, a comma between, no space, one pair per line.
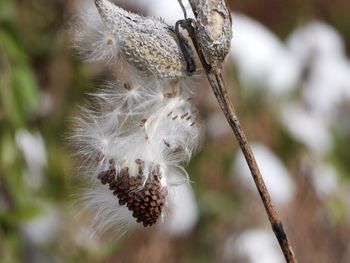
(92,40)
(133,121)
(139,133)
(106,212)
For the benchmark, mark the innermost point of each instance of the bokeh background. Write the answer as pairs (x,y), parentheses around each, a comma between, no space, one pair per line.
(289,77)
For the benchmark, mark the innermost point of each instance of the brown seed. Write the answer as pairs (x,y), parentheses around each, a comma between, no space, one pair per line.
(166,143)
(109,41)
(184,115)
(142,124)
(127,86)
(145,199)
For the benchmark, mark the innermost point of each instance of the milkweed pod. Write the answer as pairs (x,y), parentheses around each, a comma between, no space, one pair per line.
(214,30)
(146,42)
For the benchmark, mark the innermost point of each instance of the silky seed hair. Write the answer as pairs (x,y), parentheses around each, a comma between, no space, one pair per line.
(147,43)
(91,39)
(134,136)
(131,152)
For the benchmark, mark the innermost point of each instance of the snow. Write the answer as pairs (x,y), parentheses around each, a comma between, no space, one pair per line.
(34,152)
(315,39)
(276,175)
(321,48)
(255,246)
(261,58)
(324,179)
(182,215)
(328,86)
(44,228)
(307,127)
(217,126)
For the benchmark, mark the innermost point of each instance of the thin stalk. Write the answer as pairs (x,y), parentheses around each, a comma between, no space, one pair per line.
(216,81)
(217,84)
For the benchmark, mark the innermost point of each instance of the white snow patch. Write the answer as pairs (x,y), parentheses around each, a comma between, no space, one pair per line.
(44,228)
(321,48)
(276,175)
(307,127)
(217,126)
(328,86)
(182,215)
(261,58)
(324,178)
(33,148)
(315,39)
(255,246)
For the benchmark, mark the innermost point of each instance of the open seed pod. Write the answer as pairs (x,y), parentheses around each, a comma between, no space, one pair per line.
(145,197)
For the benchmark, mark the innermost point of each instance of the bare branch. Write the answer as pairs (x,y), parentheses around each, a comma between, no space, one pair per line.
(211,37)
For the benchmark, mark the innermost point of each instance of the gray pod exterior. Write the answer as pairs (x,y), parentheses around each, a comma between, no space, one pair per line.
(147,43)
(214,30)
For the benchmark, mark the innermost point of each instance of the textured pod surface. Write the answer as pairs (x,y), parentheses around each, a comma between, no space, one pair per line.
(145,199)
(214,30)
(147,43)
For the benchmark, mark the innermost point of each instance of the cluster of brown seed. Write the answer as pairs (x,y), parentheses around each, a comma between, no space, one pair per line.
(145,199)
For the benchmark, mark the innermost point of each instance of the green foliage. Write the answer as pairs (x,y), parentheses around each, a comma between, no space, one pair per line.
(341,152)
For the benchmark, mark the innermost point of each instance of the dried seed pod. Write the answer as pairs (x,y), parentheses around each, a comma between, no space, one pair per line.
(146,199)
(148,116)
(214,30)
(147,43)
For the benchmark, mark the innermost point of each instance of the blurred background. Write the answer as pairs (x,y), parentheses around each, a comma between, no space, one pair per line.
(288,74)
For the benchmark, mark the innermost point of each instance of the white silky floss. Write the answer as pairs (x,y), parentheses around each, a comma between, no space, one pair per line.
(135,139)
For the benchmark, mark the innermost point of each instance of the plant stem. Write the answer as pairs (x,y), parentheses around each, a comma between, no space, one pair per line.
(220,92)
(216,81)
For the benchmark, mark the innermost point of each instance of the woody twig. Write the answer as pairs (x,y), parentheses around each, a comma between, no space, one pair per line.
(211,34)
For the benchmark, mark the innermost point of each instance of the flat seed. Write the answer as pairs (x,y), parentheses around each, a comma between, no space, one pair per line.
(145,199)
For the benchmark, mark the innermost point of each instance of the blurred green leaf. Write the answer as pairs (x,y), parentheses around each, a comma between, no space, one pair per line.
(19,93)
(340,155)
(11,106)
(7,10)
(26,89)
(7,149)
(21,214)
(11,46)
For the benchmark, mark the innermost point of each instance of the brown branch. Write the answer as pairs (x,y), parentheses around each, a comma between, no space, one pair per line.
(220,92)
(214,76)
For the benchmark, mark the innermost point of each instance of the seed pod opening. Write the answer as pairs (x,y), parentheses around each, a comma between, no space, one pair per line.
(144,196)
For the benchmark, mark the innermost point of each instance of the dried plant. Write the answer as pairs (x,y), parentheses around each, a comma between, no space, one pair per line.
(140,134)
(136,136)
(211,45)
